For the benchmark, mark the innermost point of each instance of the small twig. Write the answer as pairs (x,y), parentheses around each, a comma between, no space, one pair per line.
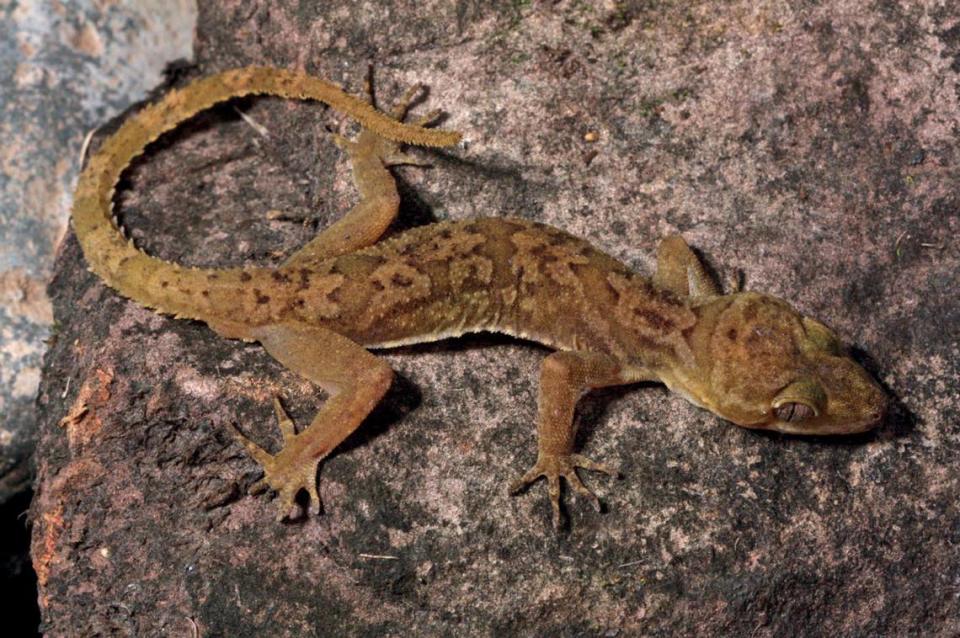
(66,388)
(896,244)
(256,126)
(86,143)
(379,556)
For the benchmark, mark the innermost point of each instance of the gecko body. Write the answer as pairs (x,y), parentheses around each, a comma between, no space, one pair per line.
(748,357)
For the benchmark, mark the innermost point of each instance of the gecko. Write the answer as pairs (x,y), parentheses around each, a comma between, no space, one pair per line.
(747,357)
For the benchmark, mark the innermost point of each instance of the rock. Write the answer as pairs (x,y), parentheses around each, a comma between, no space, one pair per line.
(780,141)
(64,67)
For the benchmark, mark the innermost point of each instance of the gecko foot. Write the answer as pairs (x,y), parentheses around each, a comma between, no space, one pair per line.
(290,470)
(553,467)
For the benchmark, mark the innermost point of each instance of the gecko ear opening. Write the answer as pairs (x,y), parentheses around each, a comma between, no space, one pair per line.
(800,400)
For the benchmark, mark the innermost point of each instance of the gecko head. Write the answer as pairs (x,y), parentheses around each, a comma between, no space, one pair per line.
(773,368)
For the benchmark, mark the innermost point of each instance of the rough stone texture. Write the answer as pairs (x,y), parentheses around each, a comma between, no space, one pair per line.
(809,145)
(65,66)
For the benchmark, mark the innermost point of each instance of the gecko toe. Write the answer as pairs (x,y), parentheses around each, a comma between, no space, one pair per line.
(428,118)
(579,460)
(259,487)
(343,143)
(573,480)
(556,466)
(553,488)
(261,456)
(284,422)
(399,110)
(287,506)
(315,506)
(529,477)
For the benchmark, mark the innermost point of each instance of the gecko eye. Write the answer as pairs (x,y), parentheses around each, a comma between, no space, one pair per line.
(803,399)
(792,411)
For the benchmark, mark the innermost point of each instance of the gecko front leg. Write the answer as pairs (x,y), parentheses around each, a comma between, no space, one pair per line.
(564,377)
(679,270)
(355,380)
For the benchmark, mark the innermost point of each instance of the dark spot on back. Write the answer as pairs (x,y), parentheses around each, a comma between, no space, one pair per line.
(261,298)
(401,280)
(653,319)
(732,334)
(613,291)
(304,279)
(245,276)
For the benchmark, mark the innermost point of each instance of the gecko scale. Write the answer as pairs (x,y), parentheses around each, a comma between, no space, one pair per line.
(747,357)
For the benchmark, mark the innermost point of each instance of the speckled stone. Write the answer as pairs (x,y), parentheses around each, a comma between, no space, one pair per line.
(810,146)
(65,66)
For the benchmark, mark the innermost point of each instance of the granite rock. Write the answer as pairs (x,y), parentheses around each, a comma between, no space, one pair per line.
(808,147)
(65,66)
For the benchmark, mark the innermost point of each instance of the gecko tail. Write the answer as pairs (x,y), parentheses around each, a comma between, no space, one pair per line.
(169,287)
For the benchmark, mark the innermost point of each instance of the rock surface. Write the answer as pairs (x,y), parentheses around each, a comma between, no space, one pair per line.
(810,146)
(64,67)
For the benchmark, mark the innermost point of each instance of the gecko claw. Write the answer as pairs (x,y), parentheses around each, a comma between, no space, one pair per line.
(399,110)
(259,487)
(553,467)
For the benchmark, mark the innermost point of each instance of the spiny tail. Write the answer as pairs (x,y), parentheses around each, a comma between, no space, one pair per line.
(169,287)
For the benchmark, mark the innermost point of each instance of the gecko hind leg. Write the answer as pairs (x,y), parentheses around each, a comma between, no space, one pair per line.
(389,151)
(355,379)
(370,156)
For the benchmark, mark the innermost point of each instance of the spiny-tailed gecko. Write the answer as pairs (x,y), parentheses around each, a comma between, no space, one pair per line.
(747,357)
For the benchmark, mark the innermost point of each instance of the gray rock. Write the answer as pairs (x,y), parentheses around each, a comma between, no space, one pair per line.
(64,68)
(781,140)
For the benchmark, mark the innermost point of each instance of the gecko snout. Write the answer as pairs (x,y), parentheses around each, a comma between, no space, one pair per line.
(879,414)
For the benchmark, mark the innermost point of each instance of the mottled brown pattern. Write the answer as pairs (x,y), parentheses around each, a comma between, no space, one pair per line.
(545,254)
(653,315)
(315,298)
(396,283)
(104,245)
